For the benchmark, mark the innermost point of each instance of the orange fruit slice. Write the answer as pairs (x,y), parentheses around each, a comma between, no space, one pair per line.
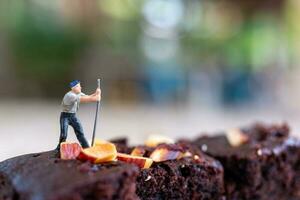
(100,142)
(99,153)
(141,162)
(69,150)
(138,151)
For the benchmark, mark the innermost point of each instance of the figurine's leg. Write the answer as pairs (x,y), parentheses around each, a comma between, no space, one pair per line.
(64,122)
(75,123)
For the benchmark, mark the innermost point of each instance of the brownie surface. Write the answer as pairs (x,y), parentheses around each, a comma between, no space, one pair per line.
(122,145)
(189,178)
(43,176)
(265,167)
(6,189)
(181,179)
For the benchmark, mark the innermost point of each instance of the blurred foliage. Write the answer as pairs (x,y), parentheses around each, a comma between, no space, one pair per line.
(53,47)
(247,43)
(47,40)
(292,16)
(254,46)
(222,32)
(121,9)
(43,47)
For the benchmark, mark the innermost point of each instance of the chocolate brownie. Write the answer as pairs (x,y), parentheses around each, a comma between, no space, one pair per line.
(263,167)
(182,179)
(122,145)
(197,176)
(43,176)
(6,189)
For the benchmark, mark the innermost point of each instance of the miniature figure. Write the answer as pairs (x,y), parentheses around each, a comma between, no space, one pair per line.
(70,105)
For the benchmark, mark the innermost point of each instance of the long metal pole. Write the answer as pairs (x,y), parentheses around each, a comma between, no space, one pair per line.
(96,117)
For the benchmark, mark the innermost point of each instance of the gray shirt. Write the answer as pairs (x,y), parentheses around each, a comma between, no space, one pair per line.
(70,102)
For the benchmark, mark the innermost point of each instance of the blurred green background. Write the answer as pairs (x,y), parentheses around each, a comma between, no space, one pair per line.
(235,61)
(149,50)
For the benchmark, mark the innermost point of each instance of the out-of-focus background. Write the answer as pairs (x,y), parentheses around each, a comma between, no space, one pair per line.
(171,67)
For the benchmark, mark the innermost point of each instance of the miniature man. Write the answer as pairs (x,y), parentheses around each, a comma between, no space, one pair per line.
(70,105)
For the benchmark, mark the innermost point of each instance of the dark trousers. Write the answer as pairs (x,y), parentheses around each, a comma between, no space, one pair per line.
(67,119)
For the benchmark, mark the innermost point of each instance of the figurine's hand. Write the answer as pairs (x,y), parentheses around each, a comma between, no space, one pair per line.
(98,94)
(98,91)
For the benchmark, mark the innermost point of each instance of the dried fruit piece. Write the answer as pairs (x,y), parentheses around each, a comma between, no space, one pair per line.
(142,162)
(236,137)
(187,154)
(154,140)
(99,153)
(138,151)
(100,142)
(163,154)
(69,150)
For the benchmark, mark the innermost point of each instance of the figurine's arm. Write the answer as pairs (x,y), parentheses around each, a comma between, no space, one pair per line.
(91,98)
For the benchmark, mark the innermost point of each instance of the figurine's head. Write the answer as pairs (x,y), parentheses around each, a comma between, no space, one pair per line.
(75,86)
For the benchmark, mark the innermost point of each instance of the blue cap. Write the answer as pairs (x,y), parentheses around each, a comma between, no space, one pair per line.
(74,83)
